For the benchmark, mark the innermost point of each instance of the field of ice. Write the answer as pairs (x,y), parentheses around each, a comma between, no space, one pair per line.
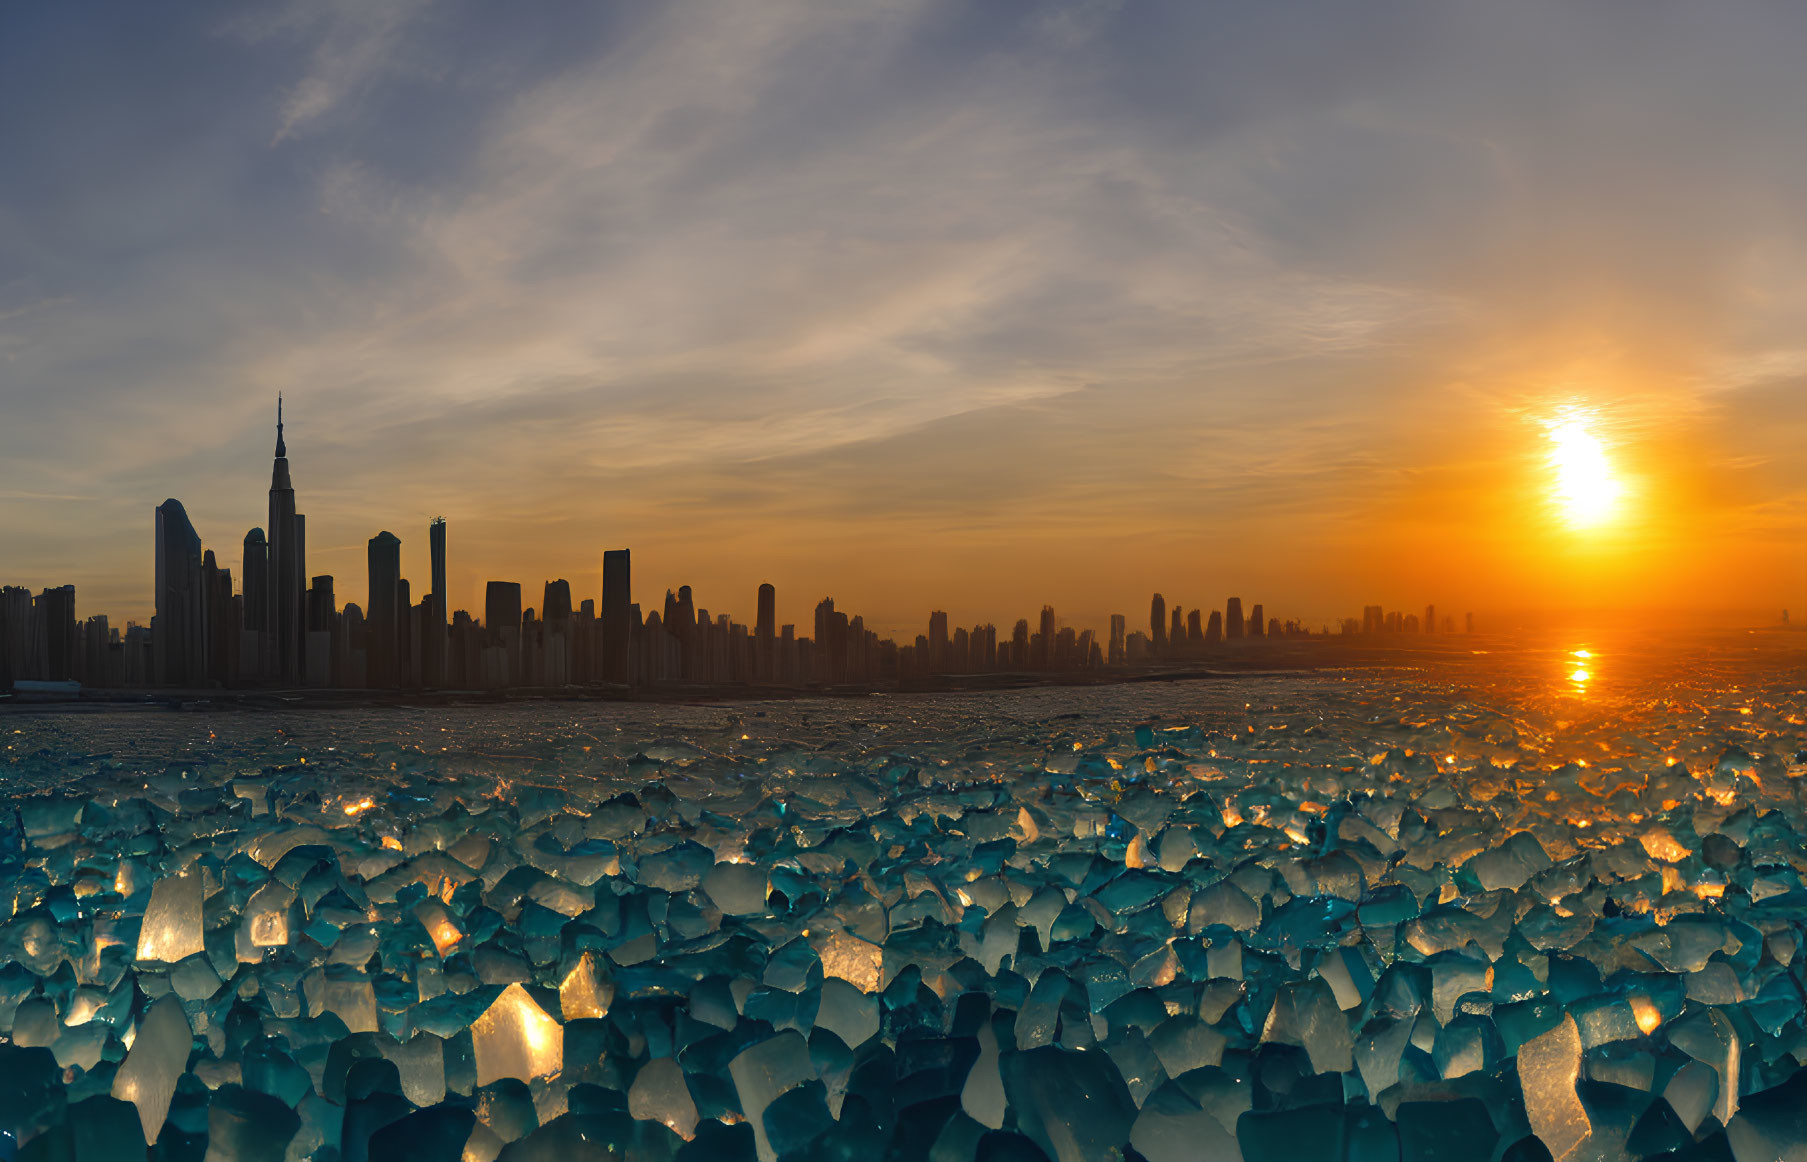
(1521,904)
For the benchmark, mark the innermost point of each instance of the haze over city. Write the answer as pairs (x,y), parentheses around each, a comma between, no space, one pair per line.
(921,305)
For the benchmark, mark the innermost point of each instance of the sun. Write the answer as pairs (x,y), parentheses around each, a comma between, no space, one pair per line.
(1586,490)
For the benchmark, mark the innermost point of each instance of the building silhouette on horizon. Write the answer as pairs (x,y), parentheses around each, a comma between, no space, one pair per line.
(281,629)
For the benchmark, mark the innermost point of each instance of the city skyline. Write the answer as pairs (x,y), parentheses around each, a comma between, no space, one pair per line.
(282,626)
(918,298)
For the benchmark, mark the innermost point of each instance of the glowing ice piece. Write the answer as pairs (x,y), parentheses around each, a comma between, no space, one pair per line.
(172,921)
(659,1094)
(587,989)
(1549,1066)
(157,1060)
(859,962)
(515,1038)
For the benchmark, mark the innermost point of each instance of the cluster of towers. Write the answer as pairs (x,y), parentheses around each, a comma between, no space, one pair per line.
(284,629)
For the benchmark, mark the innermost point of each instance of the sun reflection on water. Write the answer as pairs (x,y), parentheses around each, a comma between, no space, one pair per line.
(1581,675)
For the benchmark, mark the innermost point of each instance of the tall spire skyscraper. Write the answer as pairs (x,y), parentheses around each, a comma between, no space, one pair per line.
(288,571)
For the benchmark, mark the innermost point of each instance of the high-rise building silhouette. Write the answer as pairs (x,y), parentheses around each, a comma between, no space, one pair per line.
(938,642)
(255,646)
(1257,623)
(617,619)
(383,612)
(765,626)
(1176,629)
(1233,624)
(1214,629)
(288,567)
(1157,623)
(1430,619)
(436,643)
(1119,625)
(179,631)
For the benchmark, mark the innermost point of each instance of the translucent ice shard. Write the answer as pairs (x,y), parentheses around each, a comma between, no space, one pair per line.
(587,989)
(1709,1037)
(1549,1066)
(738,889)
(847,957)
(660,1095)
(515,1038)
(847,1012)
(157,1060)
(1171,1128)
(172,920)
(762,1074)
(983,1095)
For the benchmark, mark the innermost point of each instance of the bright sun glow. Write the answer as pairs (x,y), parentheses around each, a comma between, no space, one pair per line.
(1587,492)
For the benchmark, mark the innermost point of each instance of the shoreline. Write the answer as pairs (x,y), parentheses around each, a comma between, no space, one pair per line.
(1290,659)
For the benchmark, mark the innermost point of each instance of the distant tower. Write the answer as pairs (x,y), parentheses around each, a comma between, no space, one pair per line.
(1118,633)
(764,631)
(178,635)
(1157,623)
(1257,623)
(617,618)
(254,649)
(383,612)
(937,660)
(1430,619)
(1214,629)
(433,648)
(555,603)
(288,571)
(1233,624)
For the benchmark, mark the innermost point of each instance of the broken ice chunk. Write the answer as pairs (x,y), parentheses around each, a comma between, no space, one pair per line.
(246,1126)
(1549,1066)
(1710,1038)
(660,1095)
(738,889)
(847,1012)
(515,1038)
(763,1073)
(983,1095)
(847,957)
(587,989)
(172,920)
(158,1058)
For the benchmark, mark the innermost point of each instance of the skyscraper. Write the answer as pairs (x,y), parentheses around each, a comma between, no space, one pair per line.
(1430,619)
(382,613)
(178,635)
(617,620)
(938,641)
(1118,628)
(764,629)
(288,568)
(1233,624)
(433,648)
(1257,622)
(255,647)
(1157,623)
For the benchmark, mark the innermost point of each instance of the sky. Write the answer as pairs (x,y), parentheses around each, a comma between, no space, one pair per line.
(921,304)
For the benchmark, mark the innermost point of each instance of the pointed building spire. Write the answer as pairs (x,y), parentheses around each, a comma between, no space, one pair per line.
(280,450)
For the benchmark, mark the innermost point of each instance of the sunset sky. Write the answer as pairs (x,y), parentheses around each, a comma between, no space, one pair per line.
(917,303)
